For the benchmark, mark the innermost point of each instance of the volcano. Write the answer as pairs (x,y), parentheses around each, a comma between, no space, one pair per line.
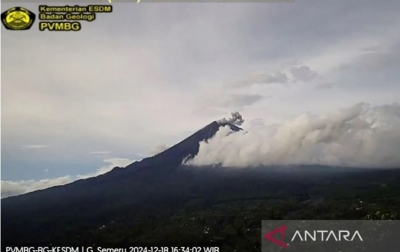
(120,187)
(159,201)
(184,150)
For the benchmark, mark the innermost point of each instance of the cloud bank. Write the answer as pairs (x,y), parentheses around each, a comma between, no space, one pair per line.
(13,188)
(359,136)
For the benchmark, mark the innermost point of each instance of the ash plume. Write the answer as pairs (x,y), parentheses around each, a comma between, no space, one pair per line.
(359,136)
(236,119)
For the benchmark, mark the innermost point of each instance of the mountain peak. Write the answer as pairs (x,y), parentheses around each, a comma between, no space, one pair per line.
(187,148)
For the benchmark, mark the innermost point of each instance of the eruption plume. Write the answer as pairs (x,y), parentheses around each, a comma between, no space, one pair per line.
(236,119)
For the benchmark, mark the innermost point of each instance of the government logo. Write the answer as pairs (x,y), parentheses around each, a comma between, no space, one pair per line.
(18,19)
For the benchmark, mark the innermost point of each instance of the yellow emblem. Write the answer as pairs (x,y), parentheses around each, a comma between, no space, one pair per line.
(17,19)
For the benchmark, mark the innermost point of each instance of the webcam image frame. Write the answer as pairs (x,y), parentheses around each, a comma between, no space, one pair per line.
(200,126)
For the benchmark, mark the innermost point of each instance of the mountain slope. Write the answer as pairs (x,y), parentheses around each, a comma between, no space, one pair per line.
(143,199)
(189,147)
(86,201)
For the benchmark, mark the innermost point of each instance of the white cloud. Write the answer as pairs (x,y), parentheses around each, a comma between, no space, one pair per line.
(12,188)
(361,135)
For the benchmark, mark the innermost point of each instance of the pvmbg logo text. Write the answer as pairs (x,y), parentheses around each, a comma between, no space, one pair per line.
(330,236)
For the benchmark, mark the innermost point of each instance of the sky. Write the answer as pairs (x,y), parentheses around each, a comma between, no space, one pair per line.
(140,79)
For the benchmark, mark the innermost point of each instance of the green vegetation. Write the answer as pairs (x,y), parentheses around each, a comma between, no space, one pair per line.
(232,218)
